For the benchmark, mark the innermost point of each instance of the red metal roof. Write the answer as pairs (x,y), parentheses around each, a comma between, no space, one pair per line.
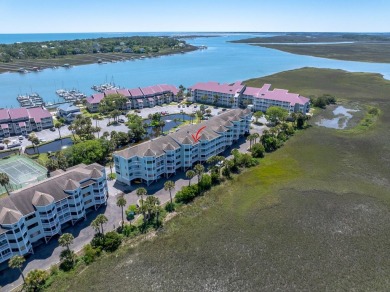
(38,113)
(17,113)
(136,92)
(124,92)
(4,114)
(95,98)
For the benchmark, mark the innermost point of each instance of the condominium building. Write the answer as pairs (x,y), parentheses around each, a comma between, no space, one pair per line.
(21,121)
(139,97)
(239,95)
(163,156)
(32,215)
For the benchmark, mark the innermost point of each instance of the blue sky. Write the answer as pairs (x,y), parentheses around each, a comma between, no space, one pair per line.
(40,16)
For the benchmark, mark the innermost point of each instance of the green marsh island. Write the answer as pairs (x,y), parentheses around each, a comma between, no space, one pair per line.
(312,216)
(348,46)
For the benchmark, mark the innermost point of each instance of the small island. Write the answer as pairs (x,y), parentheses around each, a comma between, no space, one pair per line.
(340,46)
(36,56)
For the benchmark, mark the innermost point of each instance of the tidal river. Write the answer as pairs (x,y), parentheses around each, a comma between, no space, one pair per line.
(222,61)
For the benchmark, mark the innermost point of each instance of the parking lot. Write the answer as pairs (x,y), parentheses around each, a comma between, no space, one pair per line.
(48,135)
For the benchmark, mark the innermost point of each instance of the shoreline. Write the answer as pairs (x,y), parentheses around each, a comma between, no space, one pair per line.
(84,59)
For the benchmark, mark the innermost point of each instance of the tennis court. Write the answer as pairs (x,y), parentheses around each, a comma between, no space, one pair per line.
(22,171)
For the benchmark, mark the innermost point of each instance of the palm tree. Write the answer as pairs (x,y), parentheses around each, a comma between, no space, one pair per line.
(58,126)
(35,280)
(16,262)
(4,181)
(250,139)
(101,219)
(121,202)
(162,125)
(169,186)
(96,226)
(255,136)
(71,129)
(157,210)
(190,174)
(31,138)
(141,192)
(199,170)
(66,240)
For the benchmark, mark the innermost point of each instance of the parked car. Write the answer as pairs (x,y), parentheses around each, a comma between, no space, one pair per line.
(195,106)
(121,121)
(2,147)
(224,109)
(21,137)
(178,105)
(42,140)
(52,129)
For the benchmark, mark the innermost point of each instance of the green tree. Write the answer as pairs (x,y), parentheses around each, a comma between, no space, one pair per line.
(61,160)
(199,170)
(82,126)
(190,174)
(87,152)
(51,164)
(141,192)
(258,150)
(169,186)
(16,262)
(257,115)
(35,280)
(276,114)
(32,137)
(98,223)
(58,126)
(121,202)
(4,181)
(66,240)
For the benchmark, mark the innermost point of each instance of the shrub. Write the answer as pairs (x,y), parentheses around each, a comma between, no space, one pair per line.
(109,242)
(90,254)
(215,179)
(258,150)
(130,231)
(170,207)
(112,240)
(186,194)
(205,183)
(373,111)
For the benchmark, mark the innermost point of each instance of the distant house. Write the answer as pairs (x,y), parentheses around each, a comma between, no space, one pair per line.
(21,121)
(128,51)
(239,95)
(93,101)
(139,97)
(68,111)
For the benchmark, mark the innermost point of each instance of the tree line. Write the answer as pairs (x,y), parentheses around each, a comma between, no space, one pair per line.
(56,49)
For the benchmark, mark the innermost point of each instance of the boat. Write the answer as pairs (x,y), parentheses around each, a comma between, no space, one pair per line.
(30,100)
(70,95)
(105,86)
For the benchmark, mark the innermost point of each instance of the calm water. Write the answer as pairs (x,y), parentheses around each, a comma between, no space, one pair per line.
(342,116)
(222,62)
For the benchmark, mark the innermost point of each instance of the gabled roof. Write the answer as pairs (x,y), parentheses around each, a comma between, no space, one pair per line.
(67,107)
(187,140)
(169,147)
(71,185)
(42,199)
(8,216)
(95,173)
(22,200)
(149,152)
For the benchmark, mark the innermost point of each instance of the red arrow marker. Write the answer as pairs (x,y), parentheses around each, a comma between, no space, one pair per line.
(196,137)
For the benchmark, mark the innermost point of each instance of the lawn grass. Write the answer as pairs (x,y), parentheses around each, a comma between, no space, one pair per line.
(313,216)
